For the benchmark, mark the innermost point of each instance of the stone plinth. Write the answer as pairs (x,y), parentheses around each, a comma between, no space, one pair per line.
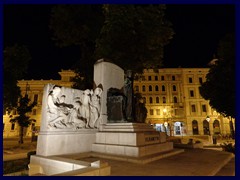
(130,139)
(58,143)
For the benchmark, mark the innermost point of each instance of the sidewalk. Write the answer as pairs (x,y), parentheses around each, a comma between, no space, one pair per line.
(192,162)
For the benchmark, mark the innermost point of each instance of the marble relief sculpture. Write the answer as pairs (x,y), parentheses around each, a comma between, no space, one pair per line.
(73,109)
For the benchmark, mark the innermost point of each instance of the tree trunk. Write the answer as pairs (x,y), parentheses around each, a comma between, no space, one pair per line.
(21,135)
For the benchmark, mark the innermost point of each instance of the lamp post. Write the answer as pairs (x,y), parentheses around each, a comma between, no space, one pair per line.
(208,120)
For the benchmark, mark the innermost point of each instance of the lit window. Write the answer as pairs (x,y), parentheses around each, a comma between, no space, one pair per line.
(151,111)
(164,99)
(193,108)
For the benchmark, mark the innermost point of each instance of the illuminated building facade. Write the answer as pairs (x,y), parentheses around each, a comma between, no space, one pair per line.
(172,99)
(174,102)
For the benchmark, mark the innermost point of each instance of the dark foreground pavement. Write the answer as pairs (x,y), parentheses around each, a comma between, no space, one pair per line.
(191,162)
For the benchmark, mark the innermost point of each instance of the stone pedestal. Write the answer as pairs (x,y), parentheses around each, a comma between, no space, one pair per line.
(58,143)
(130,139)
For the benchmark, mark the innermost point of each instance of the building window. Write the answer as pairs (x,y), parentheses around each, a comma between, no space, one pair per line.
(156,88)
(193,108)
(174,88)
(143,78)
(195,127)
(191,93)
(164,99)
(200,80)
(157,99)
(150,88)
(151,111)
(13,126)
(163,88)
(149,78)
(143,88)
(173,78)
(150,100)
(204,108)
(162,78)
(35,98)
(190,80)
(158,111)
(175,99)
(156,78)
(136,88)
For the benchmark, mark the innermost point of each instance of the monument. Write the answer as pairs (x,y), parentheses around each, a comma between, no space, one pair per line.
(103,120)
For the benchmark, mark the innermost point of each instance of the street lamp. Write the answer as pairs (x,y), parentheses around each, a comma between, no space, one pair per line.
(208,120)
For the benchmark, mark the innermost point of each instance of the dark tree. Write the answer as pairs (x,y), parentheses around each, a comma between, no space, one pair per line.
(16,59)
(22,119)
(78,25)
(133,36)
(219,87)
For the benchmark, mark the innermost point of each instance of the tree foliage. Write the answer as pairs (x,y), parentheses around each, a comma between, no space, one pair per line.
(134,36)
(22,119)
(15,64)
(219,87)
(78,25)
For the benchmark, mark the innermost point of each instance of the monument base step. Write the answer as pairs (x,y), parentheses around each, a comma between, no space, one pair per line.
(140,160)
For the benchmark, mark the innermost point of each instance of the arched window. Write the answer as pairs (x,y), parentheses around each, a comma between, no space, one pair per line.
(216,127)
(164,99)
(195,127)
(150,100)
(157,99)
(156,88)
(206,130)
(175,99)
(136,88)
(174,88)
(163,88)
(150,88)
(143,88)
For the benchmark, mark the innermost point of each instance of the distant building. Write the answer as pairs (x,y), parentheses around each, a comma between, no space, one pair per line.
(172,99)
(35,93)
(175,105)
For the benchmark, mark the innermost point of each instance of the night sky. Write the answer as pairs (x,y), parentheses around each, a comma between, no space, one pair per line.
(198,29)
